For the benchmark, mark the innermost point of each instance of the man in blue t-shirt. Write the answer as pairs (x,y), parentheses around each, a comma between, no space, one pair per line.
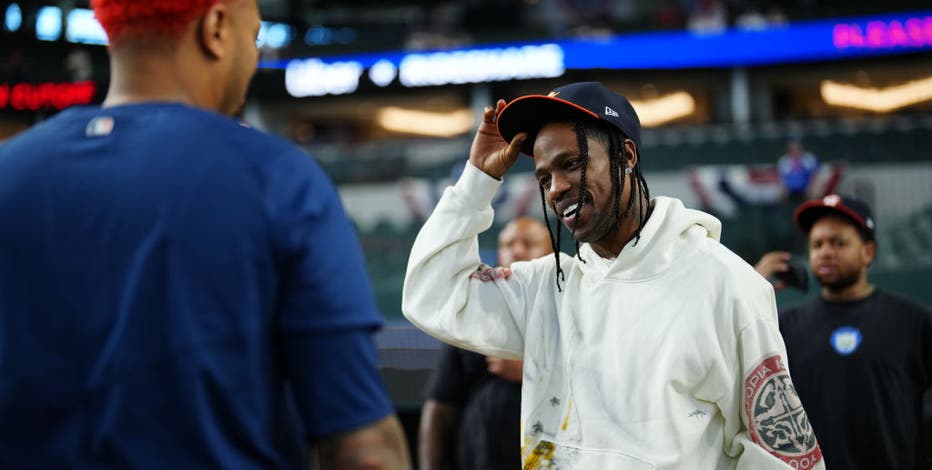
(178,290)
(797,167)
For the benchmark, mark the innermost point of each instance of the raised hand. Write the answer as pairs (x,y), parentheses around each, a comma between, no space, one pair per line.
(773,263)
(489,152)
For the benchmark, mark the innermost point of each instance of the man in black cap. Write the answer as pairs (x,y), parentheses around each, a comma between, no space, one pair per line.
(860,357)
(653,347)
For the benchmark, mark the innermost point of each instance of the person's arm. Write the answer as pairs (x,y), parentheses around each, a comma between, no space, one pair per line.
(342,401)
(447,290)
(377,446)
(766,424)
(325,319)
(438,423)
(447,391)
(773,263)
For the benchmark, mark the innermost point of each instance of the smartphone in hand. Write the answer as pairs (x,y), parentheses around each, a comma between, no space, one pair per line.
(795,276)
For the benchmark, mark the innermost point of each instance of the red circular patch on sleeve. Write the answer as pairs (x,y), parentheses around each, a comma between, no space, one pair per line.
(776,418)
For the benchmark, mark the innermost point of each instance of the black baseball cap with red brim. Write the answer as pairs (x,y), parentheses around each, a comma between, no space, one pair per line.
(574,102)
(856,211)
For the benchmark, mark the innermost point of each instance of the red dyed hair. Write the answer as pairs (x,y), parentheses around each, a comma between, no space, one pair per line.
(124,19)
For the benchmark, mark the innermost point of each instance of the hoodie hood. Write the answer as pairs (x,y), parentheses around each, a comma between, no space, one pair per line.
(671,232)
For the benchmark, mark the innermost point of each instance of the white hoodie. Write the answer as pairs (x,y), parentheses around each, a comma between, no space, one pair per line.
(652,360)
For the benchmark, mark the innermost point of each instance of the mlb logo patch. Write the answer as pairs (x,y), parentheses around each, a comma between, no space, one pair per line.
(846,340)
(99,127)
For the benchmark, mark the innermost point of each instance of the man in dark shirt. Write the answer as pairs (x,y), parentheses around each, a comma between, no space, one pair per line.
(471,419)
(860,358)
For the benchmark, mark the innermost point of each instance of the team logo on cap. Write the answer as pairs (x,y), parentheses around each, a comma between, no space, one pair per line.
(831,200)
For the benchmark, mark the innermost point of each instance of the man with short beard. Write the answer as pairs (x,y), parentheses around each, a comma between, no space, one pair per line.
(861,358)
(653,347)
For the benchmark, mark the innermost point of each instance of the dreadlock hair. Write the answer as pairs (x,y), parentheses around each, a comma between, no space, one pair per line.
(614,140)
(127,19)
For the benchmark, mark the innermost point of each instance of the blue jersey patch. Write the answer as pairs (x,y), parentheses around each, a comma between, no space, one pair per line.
(846,340)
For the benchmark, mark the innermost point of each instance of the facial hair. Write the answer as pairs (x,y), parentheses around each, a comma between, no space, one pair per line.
(604,225)
(844,281)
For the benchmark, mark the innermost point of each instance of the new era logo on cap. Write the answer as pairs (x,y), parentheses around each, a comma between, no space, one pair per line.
(610,112)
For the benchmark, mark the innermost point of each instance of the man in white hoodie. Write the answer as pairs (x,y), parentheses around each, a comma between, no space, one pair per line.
(654,347)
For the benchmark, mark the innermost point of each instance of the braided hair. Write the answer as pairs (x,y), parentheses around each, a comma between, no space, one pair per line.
(614,141)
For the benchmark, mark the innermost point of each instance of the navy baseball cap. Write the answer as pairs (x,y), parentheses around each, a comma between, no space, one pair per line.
(856,211)
(573,102)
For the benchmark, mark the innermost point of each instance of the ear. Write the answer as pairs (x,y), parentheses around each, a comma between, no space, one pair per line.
(214,30)
(869,251)
(631,154)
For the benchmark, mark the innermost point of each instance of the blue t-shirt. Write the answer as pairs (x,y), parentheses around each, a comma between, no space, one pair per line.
(796,172)
(169,279)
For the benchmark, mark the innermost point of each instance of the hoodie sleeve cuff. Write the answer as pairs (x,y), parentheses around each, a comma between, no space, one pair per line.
(476,188)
